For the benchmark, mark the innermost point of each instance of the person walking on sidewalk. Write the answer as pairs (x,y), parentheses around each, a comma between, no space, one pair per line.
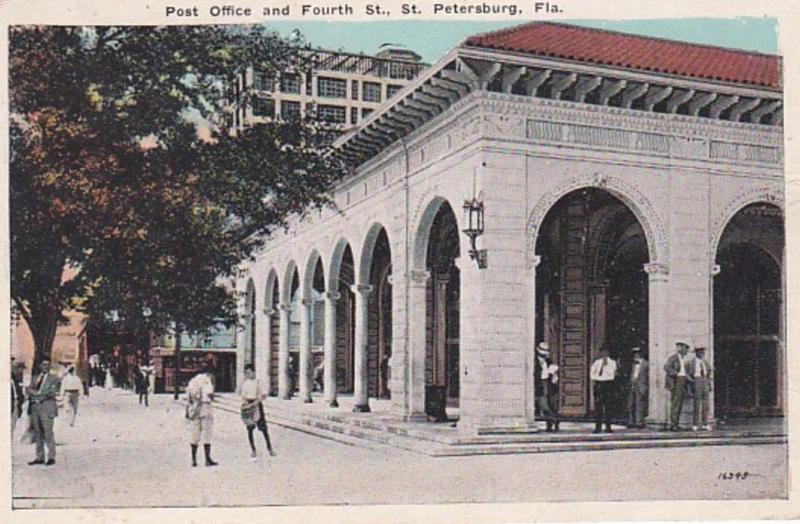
(699,371)
(200,393)
(676,382)
(42,394)
(17,395)
(253,409)
(603,373)
(71,387)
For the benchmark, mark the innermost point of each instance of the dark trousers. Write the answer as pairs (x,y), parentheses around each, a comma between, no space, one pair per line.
(547,402)
(603,393)
(677,402)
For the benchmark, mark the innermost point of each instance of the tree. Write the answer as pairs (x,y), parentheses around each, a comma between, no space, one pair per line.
(121,168)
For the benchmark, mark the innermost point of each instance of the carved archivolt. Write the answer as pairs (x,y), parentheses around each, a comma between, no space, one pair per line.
(767,195)
(639,204)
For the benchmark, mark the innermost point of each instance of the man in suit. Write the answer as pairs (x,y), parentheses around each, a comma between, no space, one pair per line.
(42,393)
(676,382)
(638,390)
(603,373)
(545,384)
(699,371)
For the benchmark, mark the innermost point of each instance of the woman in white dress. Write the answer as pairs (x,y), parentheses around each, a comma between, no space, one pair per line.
(253,409)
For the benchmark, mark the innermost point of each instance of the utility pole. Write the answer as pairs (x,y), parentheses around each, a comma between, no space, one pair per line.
(177,361)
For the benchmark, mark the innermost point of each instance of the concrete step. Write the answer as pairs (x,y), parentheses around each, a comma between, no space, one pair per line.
(381,434)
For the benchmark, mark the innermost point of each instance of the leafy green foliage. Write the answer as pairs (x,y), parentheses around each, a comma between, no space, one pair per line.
(121,170)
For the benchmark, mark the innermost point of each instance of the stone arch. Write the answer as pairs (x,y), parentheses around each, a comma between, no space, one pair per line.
(269,289)
(766,195)
(335,263)
(422,230)
(307,277)
(367,251)
(286,283)
(639,204)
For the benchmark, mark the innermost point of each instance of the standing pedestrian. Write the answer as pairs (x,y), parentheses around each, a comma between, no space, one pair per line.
(676,383)
(253,409)
(545,384)
(71,391)
(200,394)
(17,395)
(141,384)
(42,395)
(603,373)
(638,390)
(699,372)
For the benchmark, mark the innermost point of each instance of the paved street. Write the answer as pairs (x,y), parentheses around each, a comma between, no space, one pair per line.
(121,454)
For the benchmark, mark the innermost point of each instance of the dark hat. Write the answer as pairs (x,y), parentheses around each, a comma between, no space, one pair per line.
(699,349)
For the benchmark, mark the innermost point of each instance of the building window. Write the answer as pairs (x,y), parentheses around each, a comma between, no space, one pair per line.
(372,92)
(365,111)
(331,87)
(353,115)
(290,83)
(333,114)
(263,81)
(391,89)
(290,110)
(263,107)
(354,89)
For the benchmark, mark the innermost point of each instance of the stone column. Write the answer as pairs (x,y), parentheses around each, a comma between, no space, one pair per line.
(711,351)
(530,399)
(360,393)
(660,348)
(305,350)
(264,366)
(283,352)
(417,286)
(330,349)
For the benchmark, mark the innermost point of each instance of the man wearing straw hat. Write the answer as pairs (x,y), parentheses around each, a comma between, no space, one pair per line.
(676,380)
(545,383)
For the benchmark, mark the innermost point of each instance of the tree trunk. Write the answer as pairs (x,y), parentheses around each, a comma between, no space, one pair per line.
(43,325)
(177,361)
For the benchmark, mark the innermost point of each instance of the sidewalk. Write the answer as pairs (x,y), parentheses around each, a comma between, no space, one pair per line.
(120,454)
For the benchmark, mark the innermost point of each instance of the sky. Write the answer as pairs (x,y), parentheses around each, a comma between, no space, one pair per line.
(432,39)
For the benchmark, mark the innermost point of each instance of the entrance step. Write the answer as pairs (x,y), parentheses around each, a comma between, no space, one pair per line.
(381,432)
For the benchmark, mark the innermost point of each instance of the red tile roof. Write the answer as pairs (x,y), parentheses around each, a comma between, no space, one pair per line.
(629,51)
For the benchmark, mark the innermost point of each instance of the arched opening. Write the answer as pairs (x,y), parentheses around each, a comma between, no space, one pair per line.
(250,324)
(748,314)
(379,339)
(316,300)
(591,289)
(273,298)
(294,333)
(345,322)
(442,314)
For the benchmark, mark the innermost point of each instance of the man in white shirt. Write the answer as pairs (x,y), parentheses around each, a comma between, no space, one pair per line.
(699,371)
(676,381)
(200,394)
(71,387)
(603,373)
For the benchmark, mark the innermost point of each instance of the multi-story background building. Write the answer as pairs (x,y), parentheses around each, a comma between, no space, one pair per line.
(340,88)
